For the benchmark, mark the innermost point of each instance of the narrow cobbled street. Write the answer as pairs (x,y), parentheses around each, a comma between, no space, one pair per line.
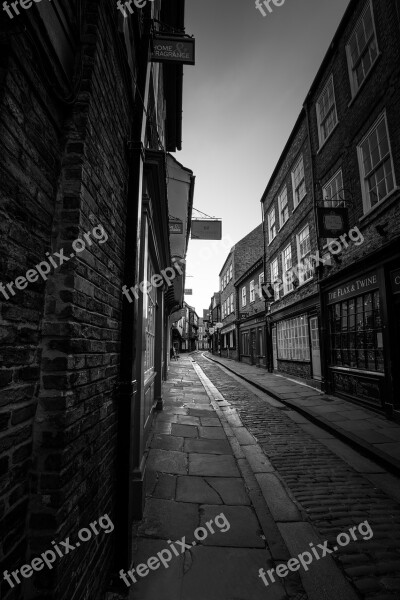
(221,447)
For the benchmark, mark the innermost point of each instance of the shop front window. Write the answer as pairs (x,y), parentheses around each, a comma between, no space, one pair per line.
(355,328)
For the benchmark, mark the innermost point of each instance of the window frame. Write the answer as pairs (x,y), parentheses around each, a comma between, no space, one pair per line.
(363,178)
(294,189)
(274,282)
(355,88)
(280,195)
(287,285)
(251,292)
(301,258)
(244,296)
(271,224)
(321,122)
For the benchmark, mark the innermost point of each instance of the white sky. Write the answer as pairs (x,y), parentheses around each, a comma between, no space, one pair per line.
(240,103)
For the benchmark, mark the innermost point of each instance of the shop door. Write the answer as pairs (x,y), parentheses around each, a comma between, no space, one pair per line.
(253,349)
(315,349)
(274,349)
(396,354)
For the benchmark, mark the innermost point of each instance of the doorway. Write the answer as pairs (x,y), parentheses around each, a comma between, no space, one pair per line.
(315,349)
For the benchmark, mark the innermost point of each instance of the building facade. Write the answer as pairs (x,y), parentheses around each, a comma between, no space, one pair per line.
(354,121)
(252,326)
(202,342)
(291,242)
(214,318)
(241,257)
(86,124)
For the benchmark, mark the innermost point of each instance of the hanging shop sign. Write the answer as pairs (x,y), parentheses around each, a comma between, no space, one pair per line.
(172,48)
(203,229)
(211,330)
(395,281)
(353,288)
(332,222)
(175,227)
(219,325)
(188,292)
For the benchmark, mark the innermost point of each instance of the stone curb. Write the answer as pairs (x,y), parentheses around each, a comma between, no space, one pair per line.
(388,462)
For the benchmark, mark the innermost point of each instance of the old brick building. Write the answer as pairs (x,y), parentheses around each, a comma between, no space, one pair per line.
(290,241)
(86,120)
(252,332)
(241,256)
(354,121)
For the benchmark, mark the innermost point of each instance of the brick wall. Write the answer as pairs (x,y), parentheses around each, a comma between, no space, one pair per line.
(355,117)
(67,172)
(295,368)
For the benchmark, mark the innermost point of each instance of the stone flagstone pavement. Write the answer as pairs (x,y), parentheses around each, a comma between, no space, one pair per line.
(202,462)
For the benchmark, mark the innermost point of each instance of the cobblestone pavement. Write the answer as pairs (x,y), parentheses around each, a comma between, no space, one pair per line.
(332,493)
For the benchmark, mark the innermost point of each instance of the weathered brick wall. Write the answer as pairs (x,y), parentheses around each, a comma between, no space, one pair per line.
(381,90)
(67,172)
(31,139)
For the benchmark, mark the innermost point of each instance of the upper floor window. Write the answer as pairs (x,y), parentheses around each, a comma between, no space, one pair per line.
(271,225)
(326,112)
(231,272)
(275,277)
(232,305)
(303,252)
(244,299)
(252,298)
(260,282)
(287,269)
(362,49)
(333,192)
(376,164)
(283,207)
(299,182)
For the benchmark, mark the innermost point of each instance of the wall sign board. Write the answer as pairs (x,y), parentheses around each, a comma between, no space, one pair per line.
(206,229)
(332,222)
(172,48)
(175,227)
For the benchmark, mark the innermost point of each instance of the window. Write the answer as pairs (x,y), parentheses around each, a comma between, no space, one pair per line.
(275,277)
(283,207)
(355,333)
(293,340)
(232,303)
(326,112)
(306,271)
(287,274)
(252,297)
(260,284)
(332,191)
(271,225)
(376,165)
(299,182)
(244,300)
(362,49)
(231,272)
